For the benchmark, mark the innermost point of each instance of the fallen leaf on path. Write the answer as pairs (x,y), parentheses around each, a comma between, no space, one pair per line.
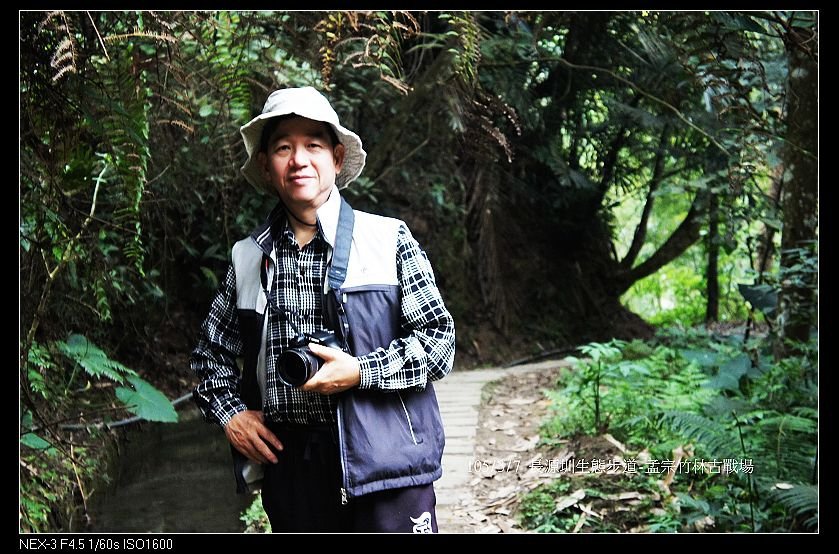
(528,443)
(579,524)
(477,516)
(508,526)
(615,442)
(521,401)
(704,524)
(631,495)
(586,509)
(506,425)
(568,501)
(503,492)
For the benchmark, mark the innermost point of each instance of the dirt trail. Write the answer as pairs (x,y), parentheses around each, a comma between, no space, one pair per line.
(489,447)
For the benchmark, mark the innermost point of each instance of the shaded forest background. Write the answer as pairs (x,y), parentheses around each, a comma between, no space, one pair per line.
(573,177)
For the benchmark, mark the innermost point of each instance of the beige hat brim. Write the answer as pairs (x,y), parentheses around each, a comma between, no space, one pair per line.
(354,155)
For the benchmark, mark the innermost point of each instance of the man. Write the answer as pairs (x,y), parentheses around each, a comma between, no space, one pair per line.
(358,445)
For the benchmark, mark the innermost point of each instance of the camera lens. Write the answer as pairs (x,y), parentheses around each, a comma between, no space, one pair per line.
(297,366)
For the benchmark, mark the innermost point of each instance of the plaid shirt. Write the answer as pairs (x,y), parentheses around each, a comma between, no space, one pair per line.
(426,350)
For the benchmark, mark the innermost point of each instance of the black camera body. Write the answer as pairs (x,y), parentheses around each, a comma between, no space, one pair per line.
(297,364)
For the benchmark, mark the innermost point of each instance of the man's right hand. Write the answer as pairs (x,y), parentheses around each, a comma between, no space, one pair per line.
(248,433)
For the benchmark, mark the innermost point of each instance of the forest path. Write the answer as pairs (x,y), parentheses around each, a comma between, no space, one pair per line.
(460,396)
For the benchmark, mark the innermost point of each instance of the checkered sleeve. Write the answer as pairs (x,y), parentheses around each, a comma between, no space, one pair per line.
(426,350)
(214,358)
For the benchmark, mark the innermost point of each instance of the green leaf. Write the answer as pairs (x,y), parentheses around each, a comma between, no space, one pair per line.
(723,381)
(37,383)
(94,361)
(626,368)
(148,49)
(738,365)
(146,401)
(723,406)
(206,110)
(34,441)
(746,23)
(762,297)
(189,248)
(211,276)
(702,357)
(26,420)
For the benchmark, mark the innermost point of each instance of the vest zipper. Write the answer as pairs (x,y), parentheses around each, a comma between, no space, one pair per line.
(342,450)
(408,417)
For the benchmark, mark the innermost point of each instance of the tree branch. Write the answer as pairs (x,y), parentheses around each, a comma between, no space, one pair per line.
(641,230)
(682,117)
(122,422)
(682,238)
(51,275)
(102,42)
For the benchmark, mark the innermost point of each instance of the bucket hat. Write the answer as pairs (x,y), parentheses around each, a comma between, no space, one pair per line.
(309,103)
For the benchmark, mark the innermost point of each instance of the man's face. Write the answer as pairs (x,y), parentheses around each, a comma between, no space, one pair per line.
(301,163)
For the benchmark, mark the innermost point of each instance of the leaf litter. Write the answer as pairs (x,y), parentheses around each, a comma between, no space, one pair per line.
(511,461)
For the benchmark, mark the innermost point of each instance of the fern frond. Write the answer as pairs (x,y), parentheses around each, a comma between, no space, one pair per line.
(796,461)
(179,105)
(178,123)
(717,440)
(64,70)
(123,119)
(468,32)
(49,17)
(160,21)
(140,34)
(94,361)
(367,39)
(63,60)
(801,500)
(787,423)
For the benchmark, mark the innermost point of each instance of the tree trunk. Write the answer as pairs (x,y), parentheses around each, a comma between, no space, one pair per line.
(766,248)
(712,306)
(800,197)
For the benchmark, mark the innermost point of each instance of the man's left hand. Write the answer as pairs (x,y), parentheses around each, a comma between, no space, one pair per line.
(339,372)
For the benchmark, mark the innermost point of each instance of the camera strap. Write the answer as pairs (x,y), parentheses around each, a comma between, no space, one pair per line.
(343,243)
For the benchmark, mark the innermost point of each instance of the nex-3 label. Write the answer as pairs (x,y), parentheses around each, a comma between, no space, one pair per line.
(96,544)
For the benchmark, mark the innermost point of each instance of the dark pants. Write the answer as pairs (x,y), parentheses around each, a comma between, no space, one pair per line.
(302,492)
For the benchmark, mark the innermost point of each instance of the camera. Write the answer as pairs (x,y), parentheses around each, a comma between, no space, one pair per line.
(298,364)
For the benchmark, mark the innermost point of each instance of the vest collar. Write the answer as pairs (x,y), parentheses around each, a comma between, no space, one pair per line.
(328,216)
(265,235)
